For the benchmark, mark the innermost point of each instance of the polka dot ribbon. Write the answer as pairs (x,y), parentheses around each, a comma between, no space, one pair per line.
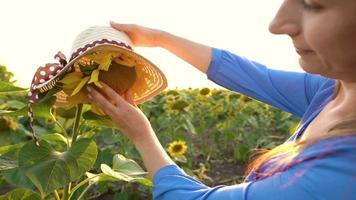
(43,80)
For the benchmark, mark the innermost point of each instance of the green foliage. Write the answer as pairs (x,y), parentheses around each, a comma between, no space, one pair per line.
(220,128)
(5,75)
(6,88)
(49,169)
(21,194)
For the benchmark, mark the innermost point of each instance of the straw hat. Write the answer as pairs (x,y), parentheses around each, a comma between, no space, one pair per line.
(149,82)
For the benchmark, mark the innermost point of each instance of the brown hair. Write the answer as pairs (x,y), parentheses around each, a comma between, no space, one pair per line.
(291,149)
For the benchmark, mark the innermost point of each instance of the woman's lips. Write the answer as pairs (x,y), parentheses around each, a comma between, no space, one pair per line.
(304,52)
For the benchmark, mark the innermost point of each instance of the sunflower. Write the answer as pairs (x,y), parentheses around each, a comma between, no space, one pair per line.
(205,92)
(112,68)
(177,148)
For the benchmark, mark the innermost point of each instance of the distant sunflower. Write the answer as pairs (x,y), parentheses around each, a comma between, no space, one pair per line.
(177,148)
(205,92)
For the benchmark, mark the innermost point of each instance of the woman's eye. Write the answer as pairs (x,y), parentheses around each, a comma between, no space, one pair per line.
(309,6)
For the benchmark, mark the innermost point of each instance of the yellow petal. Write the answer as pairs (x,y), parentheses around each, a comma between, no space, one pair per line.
(71,78)
(98,84)
(95,108)
(80,85)
(105,62)
(80,97)
(94,77)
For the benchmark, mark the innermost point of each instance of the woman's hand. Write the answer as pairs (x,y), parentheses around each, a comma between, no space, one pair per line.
(134,124)
(122,110)
(194,53)
(139,35)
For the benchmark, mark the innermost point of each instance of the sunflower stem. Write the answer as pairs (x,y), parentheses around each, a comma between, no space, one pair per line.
(67,191)
(78,114)
(56,195)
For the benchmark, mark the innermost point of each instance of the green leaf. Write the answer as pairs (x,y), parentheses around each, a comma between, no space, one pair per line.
(180,158)
(127,166)
(110,137)
(15,104)
(118,176)
(125,169)
(49,169)
(241,153)
(39,110)
(17,178)
(103,121)
(7,163)
(21,194)
(14,176)
(190,127)
(8,148)
(55,137)
(6,88)
(66,113)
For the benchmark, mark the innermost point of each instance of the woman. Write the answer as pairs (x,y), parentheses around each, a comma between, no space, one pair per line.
(318,161)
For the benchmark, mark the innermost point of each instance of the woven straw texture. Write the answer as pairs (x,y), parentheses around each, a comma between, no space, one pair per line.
(150,81)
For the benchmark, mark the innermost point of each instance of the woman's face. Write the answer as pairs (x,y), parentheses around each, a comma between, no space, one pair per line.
(323,33)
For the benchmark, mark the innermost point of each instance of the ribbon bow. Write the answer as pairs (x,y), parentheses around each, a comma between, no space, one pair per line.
(44,79)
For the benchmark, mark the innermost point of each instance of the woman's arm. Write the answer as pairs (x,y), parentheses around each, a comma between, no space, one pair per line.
(194,53)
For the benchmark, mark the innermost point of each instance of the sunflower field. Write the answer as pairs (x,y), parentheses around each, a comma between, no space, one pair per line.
(211,133)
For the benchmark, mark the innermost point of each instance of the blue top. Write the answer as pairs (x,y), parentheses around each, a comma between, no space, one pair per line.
(324,170)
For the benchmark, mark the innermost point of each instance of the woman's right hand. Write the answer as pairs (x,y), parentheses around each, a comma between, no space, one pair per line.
(139,35)
(193,53)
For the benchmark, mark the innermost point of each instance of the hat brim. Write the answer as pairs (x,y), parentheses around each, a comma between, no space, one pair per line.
(150,80)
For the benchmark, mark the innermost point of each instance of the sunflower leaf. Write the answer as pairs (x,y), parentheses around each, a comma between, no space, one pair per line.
(6,88)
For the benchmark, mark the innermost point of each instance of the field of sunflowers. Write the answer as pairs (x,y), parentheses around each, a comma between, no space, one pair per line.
(210,133)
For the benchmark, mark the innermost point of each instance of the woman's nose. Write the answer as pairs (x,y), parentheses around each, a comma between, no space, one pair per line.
(287,20)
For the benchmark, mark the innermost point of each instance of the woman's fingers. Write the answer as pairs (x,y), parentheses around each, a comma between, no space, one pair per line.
(120,27)
(129,98)
(112,94)
(101,101)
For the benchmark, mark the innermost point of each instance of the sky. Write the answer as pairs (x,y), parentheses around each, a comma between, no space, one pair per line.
(32,32)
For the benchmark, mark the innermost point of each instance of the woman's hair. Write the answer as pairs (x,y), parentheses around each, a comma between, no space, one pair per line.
(286,152)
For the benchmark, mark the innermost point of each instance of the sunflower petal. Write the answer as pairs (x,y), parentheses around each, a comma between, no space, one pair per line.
(105,62)
(94,77)
(98,84)
(80,85)
(95,108)
(71,78)
(80,97)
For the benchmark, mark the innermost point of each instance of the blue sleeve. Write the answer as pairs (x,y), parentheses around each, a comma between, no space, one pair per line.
(317,174)
(170,182)
(289,91)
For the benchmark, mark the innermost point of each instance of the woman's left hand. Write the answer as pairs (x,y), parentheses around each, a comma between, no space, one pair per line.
(134,124)
(123,111)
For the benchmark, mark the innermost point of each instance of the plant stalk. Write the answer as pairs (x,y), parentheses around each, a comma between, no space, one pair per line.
(78,114)
(56,195)
(66,191)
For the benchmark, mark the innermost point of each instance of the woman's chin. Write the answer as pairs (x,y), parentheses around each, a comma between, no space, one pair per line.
(310,67)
